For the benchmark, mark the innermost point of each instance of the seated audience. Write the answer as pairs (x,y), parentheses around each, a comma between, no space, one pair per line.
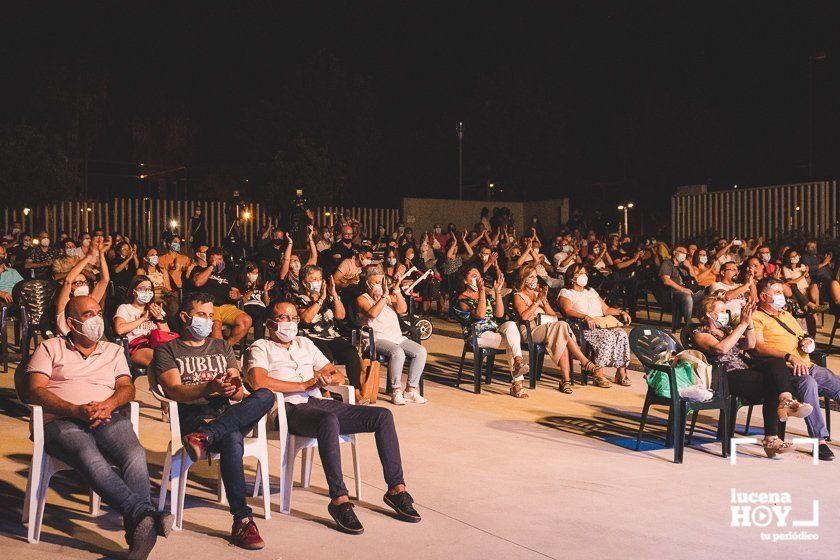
(83,383)
(216,280)
(293,365)
(256,297)
(202,375)
(379,307)
(603,332)
(779,335)
(820,270)
(40,259)
(682,298)
(798,278)
(767,382)
(137,318)
(531,305)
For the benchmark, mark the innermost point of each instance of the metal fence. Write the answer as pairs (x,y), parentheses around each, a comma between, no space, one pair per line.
(762,211)
(145,219)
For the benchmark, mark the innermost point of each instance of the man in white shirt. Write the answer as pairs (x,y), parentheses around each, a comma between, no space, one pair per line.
(294,366)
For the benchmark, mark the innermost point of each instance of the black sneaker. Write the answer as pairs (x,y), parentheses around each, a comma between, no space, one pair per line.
(825,453)
(345,518)
(403,504)
(142,538)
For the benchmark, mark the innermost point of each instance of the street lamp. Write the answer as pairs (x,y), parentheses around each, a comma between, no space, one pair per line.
(459,130)
(625,207)
(173,224)
(815,57)
(246,215)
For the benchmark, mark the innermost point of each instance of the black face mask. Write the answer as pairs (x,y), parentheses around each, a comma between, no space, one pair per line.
(627,246)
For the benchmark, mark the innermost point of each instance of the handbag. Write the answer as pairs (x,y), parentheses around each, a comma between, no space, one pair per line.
(370,379)
(157,337)
(607,322)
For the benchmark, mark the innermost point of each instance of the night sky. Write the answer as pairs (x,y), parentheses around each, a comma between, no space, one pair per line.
(634,97)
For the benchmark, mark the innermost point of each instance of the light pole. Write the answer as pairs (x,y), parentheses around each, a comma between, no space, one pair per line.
(459,129)
(626,206)
(819,55)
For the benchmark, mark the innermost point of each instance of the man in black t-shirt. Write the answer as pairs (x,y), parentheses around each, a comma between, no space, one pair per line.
(216,280)
(343,248)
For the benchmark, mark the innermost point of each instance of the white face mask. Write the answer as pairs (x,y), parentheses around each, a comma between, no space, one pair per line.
(794,260)
(485,258)
(83,290)
(722,320)
(45,242)
(253,278)
(567,248)
(93,328)
(153,260)
(473,283)
(285,331)
(531,283)
(365,262)
(85,242)
(778,301)
(765,257)
(703,259)
(145,296)
(680,257)
(316,285)
(376,290)
(392,261)
(582,280)
(295,266)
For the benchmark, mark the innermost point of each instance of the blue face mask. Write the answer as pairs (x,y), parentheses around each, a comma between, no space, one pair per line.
(219,267)
(200,327)
(175,247)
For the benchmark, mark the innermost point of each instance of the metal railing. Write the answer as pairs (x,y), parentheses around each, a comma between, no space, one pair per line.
(762,211)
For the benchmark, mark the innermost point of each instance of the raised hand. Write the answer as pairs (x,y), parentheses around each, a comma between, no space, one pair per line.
(499,284)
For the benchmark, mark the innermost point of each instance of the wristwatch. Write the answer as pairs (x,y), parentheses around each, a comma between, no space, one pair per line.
(787,357)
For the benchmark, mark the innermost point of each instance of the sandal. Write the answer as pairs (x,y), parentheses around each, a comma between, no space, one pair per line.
(517,391)
(566,387)
(792,407)
(623,381)
(775,445)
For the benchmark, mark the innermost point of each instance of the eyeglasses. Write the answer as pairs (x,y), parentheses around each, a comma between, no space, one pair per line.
(286,319)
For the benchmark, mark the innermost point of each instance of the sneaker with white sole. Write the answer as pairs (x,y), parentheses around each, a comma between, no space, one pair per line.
(397,397)
(413,396)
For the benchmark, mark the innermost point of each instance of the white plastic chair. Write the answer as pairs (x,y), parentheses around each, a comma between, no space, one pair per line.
(178,462)
(291,444)
(44,466)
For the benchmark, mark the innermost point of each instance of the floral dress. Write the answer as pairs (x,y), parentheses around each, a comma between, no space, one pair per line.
(485,324)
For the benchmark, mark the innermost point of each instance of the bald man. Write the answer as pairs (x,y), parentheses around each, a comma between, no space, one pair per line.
(82,383)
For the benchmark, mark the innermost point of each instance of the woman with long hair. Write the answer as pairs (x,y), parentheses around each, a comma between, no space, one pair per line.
(138,317)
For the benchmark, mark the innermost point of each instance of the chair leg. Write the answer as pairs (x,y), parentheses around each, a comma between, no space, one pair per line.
(477,359)
(264,482)
(491,361)
(733,414)
(164,481)
(287,471)
(827,401)
(221,491)
(669,434)
(179,489)
(306,467)
(749,415)
(679,431)
(694,415)
(643,421)
(36,511)
(357,468)
(723,430)
(461,366)
(95,506)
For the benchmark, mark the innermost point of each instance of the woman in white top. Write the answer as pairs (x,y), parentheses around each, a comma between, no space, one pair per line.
(378,308)
(139,316)
(530,302)
(611,344)
(797,278)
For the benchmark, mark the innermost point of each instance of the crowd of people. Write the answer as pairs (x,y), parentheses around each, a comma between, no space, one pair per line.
(183,308)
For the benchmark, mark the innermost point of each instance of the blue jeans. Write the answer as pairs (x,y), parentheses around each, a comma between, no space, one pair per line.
(325,419)
(226,426)
(95,452)
(809,388)
(682,306)
(396,354)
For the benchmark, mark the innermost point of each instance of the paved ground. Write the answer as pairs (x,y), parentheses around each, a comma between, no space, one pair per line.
(553,476)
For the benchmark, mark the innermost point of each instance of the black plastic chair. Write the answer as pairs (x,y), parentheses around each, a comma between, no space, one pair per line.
(6,313)
(536,350)
(578,326)
(36,299)
(653,348)
(480,355)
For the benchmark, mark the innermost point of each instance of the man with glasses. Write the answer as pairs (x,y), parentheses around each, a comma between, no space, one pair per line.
(202,375)
(672,273)
(293,365)
(82,382)
(733,293)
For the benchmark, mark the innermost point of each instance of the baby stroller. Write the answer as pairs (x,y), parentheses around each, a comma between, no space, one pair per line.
(412,320)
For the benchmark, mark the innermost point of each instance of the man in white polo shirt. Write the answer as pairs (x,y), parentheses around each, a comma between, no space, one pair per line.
(82,382)
(293,365)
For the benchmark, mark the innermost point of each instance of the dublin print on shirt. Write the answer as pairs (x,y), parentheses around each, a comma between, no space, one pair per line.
(195,364)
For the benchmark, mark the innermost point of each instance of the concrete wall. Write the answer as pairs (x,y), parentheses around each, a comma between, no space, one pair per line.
(422,213)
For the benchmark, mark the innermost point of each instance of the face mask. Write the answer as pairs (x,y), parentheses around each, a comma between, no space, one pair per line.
(722,320)
(316,286)
(531,284)
(627,246)
(794,260)
(201,256)
(83,290)
(27,243)
(703,259)
(365,262)
(253,278)
(485,258)
(765,257)
(473,284)
(567,248)
(582,280)
(45,242)
(200,327)
(346,240)
(153,260)
(219,267)
(392,261)
(410,257)
(811,251)
(145,296)
(85,242)
(295,266)
(285,332)
(680,257)
(376,291)
(93,328)
(596,250)
(175,247)
(778,301)
(437,230)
